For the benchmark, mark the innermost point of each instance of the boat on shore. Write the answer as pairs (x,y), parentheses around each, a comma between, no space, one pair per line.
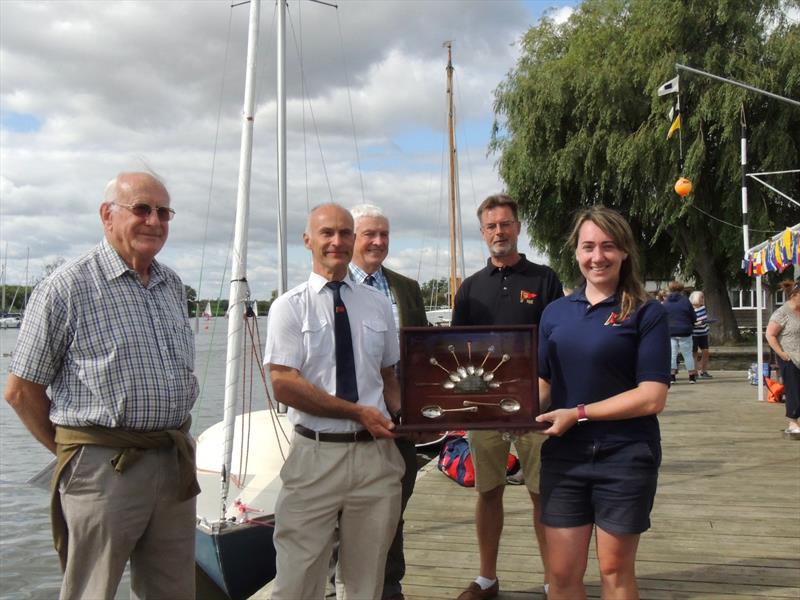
(10,321)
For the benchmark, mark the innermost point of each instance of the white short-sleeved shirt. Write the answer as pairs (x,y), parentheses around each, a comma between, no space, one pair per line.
(300,335)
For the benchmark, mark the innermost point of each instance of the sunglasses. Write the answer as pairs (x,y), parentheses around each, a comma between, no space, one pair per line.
(143,210)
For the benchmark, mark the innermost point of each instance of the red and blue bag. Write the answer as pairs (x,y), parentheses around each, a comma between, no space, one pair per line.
(455,460)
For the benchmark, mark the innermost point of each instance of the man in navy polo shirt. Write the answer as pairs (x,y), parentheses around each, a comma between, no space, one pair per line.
(510,290)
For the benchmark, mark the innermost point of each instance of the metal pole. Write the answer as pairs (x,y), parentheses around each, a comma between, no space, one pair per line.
(5,276)
(27,262)
(281,90)
(239,289)
(746,235)
(738,83)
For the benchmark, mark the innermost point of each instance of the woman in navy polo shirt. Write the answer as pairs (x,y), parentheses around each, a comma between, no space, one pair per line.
(604,367)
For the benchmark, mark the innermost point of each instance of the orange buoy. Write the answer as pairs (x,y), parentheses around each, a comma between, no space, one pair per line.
(683,187)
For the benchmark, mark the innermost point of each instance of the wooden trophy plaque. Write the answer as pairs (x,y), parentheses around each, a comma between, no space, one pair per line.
(455,378)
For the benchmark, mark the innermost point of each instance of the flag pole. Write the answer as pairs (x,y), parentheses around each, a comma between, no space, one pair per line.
(680,136)
(740,84)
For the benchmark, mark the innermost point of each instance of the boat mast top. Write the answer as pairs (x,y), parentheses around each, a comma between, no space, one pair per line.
(452,212)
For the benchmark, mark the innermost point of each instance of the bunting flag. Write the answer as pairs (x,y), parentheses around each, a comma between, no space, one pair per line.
(670,87)
(676,124)
(779,254)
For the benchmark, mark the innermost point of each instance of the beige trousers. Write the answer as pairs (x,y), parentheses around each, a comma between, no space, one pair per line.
(112,518)
(490,457)
(357,484)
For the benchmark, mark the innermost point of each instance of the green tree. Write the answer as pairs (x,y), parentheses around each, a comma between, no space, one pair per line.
(578,122)
(434,292)
(14,300)
(191,300)
(48,269)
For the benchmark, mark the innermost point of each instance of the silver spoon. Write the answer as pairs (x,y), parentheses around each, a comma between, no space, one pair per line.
(453,376)
(490,375)
(435,411)
(508,405)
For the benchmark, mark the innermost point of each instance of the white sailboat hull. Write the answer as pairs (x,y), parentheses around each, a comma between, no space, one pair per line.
(237,553)
(255,470)
(439,317)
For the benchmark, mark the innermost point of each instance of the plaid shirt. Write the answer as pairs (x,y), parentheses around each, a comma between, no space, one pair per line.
(380,280)
(380,283)
(115,353)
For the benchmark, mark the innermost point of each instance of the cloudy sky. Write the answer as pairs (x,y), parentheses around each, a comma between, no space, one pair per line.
(88,89)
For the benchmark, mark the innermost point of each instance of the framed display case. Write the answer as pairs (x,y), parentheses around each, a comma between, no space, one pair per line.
(468,378)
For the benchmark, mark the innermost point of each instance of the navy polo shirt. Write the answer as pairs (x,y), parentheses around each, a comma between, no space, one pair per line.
(514,295)
(587,356)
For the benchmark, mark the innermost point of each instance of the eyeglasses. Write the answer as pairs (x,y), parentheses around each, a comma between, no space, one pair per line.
(143,210)
(492,227)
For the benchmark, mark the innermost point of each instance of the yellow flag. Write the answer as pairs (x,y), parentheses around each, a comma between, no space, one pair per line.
(676,124)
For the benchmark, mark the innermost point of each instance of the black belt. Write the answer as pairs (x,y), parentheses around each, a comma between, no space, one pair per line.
(355,436)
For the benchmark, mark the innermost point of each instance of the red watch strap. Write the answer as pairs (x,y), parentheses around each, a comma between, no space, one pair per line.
(582,413)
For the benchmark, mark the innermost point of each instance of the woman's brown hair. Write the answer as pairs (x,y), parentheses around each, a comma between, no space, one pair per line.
(614,224)
(790,288)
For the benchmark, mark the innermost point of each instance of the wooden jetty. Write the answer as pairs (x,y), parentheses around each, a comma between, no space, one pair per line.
(726,522)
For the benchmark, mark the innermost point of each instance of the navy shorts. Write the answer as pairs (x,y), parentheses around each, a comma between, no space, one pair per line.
(699,342)
(610,484)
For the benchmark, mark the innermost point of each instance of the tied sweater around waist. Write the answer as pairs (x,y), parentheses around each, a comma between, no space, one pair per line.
(131,444)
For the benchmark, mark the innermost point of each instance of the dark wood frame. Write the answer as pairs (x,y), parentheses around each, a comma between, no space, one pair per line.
(421,383)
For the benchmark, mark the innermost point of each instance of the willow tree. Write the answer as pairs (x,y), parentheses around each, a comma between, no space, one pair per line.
(579,122)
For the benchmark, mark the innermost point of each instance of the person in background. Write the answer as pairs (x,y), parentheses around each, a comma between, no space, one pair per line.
(331,350)
(783,336)
(370,250)
(681,324)
(510,290)
(700,333)
(604,370)
(109,334)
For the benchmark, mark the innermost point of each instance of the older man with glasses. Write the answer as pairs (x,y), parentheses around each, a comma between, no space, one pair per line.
(109,334)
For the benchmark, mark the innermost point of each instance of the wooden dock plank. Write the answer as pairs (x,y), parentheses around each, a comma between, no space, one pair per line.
(726,521)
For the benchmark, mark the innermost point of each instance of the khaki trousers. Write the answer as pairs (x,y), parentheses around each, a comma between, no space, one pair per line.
(356,483)
(114,517)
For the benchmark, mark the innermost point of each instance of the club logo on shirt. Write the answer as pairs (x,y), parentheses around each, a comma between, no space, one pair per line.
(526,297)
(614,320)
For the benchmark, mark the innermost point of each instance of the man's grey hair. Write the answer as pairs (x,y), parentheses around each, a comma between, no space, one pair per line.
(113,187)
(366,210)
(307,230)
(696,297)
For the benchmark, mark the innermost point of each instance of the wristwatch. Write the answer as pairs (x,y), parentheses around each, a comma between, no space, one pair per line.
(582,418)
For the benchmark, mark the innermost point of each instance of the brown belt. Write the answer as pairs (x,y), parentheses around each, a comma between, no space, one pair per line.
(354,436)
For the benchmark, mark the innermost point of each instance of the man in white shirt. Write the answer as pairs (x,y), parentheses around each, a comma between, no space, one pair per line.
(331,350)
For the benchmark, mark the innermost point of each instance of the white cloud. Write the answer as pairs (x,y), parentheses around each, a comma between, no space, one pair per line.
(121,85)
(561,14)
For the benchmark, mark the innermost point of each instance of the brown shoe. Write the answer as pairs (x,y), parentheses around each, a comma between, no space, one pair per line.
(474,592)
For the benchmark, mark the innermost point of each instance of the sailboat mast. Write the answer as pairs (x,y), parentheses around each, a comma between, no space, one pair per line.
(27,263)
(281,90)
(5,275)
(452,214)
(239,288)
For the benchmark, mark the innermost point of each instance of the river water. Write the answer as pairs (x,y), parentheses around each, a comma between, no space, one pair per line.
(28,563)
